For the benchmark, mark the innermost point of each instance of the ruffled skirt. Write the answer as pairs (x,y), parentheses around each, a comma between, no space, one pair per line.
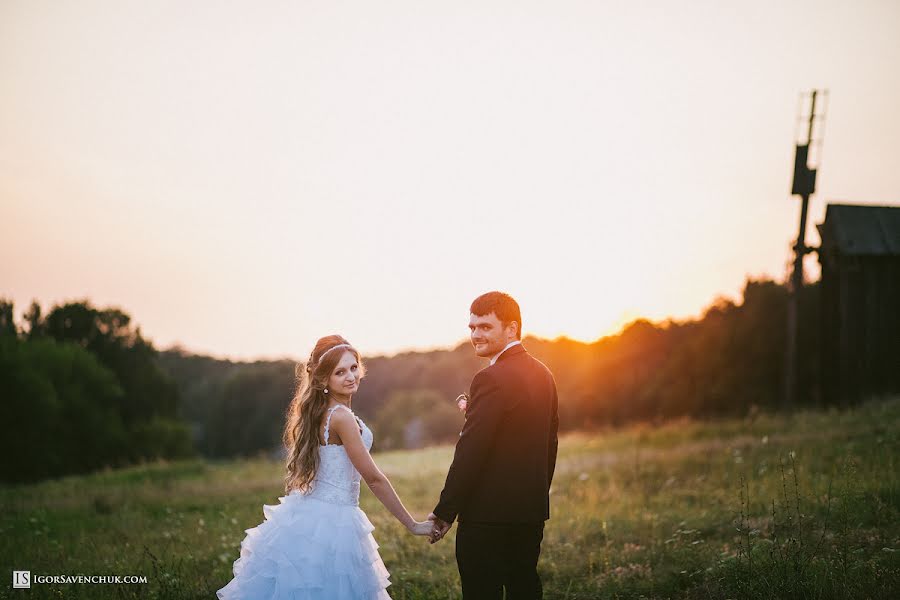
(307,549)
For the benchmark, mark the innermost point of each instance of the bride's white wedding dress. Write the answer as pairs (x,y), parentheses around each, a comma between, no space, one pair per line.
(317,545)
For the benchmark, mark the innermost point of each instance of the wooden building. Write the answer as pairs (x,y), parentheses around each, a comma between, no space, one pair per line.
(860,302)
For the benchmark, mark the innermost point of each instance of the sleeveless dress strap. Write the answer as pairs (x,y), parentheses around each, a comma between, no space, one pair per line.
(328,418)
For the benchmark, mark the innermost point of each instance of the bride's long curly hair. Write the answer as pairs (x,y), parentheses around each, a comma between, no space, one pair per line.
(307,409)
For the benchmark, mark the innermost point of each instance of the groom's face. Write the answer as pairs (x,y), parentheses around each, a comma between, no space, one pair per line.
(488,334)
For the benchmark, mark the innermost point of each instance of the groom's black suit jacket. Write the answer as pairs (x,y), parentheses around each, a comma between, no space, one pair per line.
(506,452)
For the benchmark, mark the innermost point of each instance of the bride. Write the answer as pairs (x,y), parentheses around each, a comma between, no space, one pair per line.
(317,543)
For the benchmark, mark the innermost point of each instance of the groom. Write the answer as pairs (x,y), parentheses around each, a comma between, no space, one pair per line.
(498,485)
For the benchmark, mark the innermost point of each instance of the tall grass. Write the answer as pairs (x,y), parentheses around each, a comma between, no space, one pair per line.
(800,506)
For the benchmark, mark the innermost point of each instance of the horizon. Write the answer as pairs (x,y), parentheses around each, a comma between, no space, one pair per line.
(177,346)
(244,179)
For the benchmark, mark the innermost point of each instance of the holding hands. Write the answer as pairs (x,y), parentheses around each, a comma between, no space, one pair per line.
(421,528)
(439,528)
(434,528)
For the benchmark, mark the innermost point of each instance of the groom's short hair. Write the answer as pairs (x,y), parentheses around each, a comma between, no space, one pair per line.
(502,305)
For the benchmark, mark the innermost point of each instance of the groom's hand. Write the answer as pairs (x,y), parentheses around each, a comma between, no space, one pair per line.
(439,528)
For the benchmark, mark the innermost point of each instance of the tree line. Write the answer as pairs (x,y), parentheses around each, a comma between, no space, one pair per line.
(728,361)
(83,389)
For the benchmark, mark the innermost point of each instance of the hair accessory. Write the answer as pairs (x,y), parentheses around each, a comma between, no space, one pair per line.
(319,362)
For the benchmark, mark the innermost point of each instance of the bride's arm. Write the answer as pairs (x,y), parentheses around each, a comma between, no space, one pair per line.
(345,425)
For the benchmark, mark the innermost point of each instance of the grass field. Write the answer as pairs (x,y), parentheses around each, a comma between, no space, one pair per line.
(806,506)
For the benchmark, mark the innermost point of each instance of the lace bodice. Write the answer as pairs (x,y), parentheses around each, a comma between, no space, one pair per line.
(337,480)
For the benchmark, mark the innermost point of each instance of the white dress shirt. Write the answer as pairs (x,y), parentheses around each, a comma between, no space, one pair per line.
(508,346)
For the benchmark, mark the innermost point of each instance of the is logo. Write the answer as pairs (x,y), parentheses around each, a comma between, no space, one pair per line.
(21,579)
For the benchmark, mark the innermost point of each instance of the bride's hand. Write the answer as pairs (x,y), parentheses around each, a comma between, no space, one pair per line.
(421,528)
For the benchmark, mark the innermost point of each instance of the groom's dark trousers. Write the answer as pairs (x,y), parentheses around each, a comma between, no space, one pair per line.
(494,557)
(498,485)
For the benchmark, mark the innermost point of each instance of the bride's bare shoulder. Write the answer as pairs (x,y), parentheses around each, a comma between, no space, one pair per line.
(343,421)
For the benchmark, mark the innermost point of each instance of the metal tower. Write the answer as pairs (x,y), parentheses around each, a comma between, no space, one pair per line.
(804,185)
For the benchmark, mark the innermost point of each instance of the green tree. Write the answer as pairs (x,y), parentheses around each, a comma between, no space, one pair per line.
(59,411)
(7,323)
(89,382)
(248,415)
(35,321)
(108,335)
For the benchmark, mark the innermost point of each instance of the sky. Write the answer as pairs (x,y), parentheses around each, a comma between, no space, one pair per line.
(244,177)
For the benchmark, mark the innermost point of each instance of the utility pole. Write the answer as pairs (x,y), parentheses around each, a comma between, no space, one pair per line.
(804,185)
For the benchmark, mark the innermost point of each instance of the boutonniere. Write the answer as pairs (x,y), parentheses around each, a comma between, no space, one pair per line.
(462,402)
